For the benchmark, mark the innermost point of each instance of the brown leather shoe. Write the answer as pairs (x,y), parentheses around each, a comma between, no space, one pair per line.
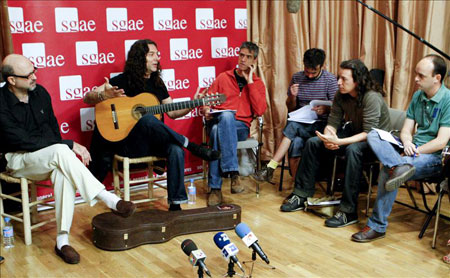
(398,175)
(367,234)
(124,208)
(214,197)
(68,254)
(236,186)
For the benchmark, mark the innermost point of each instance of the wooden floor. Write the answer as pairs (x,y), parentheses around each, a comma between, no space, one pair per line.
(297,244)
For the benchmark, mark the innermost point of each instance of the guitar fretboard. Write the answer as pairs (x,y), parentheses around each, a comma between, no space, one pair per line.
(163,108)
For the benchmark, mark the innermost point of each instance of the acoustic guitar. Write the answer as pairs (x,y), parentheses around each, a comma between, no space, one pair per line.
(116,117)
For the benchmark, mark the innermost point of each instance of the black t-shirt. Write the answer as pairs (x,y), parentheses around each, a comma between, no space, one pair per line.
(121,81)
(241,81)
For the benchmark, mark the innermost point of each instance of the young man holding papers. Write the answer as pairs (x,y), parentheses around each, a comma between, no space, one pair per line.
(359,100)
(314,83)
(430,110)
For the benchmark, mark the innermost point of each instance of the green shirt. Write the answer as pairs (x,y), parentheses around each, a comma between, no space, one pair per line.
(372,113)
(429,114)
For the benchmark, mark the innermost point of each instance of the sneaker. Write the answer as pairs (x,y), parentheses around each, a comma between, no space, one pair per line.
(367,234)
(203,152)
(265,174)
(398,175)
(236,186)
(214,197)
(341,219)
(293,204)
(286,200)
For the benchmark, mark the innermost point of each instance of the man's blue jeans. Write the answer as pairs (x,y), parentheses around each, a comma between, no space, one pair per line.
(224,133)
(427,165)
(151,137)
(298,133)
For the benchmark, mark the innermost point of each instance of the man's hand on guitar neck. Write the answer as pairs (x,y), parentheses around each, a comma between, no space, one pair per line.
(206,109)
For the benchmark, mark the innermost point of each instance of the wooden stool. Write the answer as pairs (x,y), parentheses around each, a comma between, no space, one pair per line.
(125,174)
(27,205)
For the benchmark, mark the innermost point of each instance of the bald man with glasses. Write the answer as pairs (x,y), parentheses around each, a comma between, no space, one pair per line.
(33,148)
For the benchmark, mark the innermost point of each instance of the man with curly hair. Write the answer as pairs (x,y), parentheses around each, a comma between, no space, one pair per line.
(150,136)
(360,102)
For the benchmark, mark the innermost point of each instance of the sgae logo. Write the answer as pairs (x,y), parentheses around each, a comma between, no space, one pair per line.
(87,118)
(71,88)
(18,25)
(168,76)
(36,53)
(240,18)
(220,49)
(66,21)
(179,50)
(206,76)
(204,20)
(87,54)
(163,21)
(117,21)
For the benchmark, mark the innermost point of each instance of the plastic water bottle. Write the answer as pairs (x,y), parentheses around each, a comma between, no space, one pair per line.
(192,192)
(8,234)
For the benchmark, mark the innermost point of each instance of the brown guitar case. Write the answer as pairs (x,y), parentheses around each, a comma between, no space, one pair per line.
(112,232)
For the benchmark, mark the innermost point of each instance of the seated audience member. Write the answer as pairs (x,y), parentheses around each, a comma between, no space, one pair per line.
(246,94)
(359,100)
(430,111)
(150,136)
(314,83)
(33,148)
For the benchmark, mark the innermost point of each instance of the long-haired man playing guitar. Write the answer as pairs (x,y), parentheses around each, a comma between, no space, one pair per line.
(149,136)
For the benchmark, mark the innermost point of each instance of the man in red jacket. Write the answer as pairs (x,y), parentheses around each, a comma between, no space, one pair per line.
(229,122)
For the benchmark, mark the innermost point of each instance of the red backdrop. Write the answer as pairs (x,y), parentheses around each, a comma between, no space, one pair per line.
(77,43)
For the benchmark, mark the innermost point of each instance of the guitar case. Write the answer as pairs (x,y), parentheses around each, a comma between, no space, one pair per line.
(114,233)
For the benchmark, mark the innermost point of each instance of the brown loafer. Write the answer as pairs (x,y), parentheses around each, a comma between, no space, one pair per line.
(367,234)
(68,254)
(124,208)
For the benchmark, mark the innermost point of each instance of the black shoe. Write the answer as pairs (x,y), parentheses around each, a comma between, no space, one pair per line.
(399,175)
(203,152)
(286,200)
(265,174)
(367,234)
(293,204)
(341,219)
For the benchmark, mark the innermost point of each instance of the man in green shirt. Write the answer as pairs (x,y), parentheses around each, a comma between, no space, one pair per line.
(360,102)
(430,110)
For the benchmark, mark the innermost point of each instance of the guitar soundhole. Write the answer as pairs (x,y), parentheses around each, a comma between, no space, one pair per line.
(138,111)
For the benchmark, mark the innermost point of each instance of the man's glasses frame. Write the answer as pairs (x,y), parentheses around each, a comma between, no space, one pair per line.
(26,76)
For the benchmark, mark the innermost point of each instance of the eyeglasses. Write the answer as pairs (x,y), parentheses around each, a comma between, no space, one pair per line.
(26,76)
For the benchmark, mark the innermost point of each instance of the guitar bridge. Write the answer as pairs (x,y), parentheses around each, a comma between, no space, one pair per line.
(114,116)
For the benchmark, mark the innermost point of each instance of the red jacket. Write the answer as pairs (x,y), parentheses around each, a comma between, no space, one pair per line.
(251,102)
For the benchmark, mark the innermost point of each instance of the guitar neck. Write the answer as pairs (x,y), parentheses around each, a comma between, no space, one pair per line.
(163,108)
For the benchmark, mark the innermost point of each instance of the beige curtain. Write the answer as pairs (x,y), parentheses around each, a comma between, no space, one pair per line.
(345,30)
(6,46)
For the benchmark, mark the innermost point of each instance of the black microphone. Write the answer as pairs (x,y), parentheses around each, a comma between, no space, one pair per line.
(196,256)
(249,238)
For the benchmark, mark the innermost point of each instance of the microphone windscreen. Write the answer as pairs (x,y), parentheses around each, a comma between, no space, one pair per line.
(293,6)
(188,246)
(221,240)
(242,230)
